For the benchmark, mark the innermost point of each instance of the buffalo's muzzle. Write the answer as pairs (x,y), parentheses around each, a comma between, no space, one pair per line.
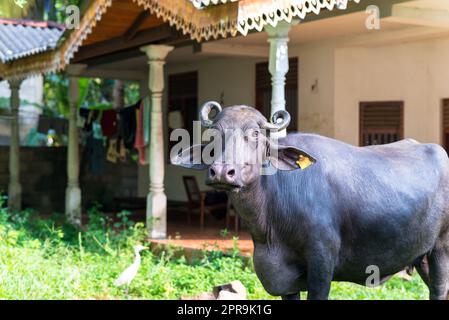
(222,176)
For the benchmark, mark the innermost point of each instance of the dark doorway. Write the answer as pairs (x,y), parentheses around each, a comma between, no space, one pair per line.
(182,103)
(263,91)
(381,122)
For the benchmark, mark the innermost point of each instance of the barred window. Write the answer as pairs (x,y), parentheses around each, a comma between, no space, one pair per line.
(381,122)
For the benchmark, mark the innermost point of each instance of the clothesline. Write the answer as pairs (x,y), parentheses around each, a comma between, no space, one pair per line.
(112,133)
(109,106)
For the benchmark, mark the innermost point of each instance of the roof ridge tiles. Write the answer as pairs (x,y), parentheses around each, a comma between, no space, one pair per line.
(32,23)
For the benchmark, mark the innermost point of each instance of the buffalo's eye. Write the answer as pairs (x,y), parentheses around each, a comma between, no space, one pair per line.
(251,136)
(255,134)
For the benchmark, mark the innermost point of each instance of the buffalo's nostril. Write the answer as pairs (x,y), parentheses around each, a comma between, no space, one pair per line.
(231,173)
(212,172)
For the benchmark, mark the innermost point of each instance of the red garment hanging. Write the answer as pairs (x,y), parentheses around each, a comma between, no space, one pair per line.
(139,143)
(109,123)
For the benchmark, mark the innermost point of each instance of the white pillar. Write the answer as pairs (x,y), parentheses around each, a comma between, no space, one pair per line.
(156,200)
(73,191)
(14,188)
(278,66)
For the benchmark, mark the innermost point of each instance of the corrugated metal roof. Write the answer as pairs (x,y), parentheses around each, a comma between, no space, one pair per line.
(21,38)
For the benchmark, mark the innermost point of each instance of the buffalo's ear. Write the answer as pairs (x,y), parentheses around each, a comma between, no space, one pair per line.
(290,158)
(190,158)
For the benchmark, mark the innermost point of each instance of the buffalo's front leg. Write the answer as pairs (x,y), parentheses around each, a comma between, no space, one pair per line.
(320,268)
(292,297)
(278,276)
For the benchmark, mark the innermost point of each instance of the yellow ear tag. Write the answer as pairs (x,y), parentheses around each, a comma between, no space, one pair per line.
(303,162)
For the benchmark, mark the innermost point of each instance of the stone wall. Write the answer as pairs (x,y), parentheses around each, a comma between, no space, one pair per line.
(43,176)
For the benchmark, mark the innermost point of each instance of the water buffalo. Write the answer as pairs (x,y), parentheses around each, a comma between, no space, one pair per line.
(332,211)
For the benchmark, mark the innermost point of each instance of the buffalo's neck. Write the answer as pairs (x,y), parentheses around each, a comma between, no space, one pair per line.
(251,206)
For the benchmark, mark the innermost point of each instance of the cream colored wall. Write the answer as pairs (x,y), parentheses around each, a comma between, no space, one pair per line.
(416,73)
(316,68)
(232,77)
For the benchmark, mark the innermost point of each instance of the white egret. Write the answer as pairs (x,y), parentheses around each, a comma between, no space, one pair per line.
(129,274)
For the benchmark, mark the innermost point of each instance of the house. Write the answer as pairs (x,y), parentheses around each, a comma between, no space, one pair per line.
(363,71)
(41,37)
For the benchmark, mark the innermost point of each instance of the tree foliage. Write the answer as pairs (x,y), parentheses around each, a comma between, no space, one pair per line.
(15,9)
(53,10)
(94,93)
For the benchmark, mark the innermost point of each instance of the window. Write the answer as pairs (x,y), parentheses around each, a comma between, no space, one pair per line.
(446,124)
(381,122)
(263,91)
(182,103)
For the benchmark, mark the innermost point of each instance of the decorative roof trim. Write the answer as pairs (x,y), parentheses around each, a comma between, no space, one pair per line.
(204,3)
(224,18)
(30,66)
(89,20)
(254,15)
(200,24)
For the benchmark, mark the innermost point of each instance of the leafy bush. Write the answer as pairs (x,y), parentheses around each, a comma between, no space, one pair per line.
(49,259)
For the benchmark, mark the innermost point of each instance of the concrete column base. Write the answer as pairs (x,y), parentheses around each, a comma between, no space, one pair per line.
(15,197)
(73,205)
(157,215)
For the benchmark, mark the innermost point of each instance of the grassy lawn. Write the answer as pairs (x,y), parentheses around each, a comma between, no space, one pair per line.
(46,259)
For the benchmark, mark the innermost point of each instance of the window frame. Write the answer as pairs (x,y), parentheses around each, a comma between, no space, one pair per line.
(365,104)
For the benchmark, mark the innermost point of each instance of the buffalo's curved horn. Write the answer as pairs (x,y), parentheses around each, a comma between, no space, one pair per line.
(279,121)
(205,111)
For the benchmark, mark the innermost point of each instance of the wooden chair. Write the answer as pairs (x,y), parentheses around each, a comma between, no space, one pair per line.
(197,201)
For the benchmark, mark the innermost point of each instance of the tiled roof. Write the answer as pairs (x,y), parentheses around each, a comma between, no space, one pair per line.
(21,38)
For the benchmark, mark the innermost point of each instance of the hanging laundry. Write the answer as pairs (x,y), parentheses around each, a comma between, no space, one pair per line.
(140,143)
(127,125)
(112,154)
(83,114)
(89,117)
(122,152)
(116,151)
(109,123)
(95,154)
(96,130)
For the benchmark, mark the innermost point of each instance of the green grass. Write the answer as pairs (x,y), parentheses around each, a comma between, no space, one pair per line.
(47,259)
